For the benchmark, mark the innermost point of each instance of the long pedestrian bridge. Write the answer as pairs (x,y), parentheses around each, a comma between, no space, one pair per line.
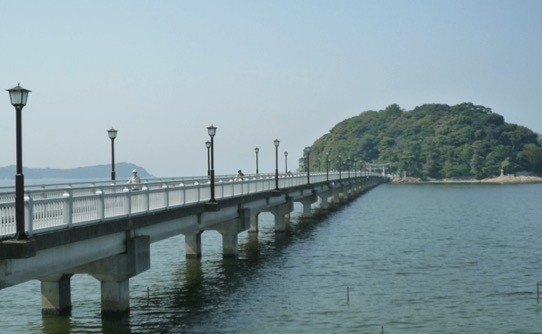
(105,230)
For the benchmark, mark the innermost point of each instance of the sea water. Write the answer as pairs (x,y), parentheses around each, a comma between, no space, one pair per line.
(399,259)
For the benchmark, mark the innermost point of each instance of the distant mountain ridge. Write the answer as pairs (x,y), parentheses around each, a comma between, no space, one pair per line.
(98,172)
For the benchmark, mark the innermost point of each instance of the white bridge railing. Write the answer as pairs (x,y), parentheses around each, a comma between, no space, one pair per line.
(51,207)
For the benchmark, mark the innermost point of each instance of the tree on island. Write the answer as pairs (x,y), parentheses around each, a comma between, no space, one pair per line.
(432,141)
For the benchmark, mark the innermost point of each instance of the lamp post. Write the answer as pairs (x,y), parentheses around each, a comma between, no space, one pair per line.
(112,133)
(327,166)
(340,166)
(18,96)
(277,143)
(208,145)
(256,150)
(286,162)
(348,162)
(308,151)
(212,131)
(355,169)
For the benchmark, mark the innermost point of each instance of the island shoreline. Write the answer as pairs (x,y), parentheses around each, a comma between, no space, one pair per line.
(503,179)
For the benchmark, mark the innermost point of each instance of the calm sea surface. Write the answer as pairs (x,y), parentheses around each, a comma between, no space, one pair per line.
(399,259)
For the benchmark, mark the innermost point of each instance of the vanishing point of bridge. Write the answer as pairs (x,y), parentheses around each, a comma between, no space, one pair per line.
(105,230)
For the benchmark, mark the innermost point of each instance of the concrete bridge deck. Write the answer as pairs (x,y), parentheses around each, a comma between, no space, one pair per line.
(106,231)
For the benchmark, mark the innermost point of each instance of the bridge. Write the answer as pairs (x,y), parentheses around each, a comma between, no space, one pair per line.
(105,230)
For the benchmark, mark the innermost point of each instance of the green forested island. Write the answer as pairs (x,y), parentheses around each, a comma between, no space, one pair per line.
(432,141)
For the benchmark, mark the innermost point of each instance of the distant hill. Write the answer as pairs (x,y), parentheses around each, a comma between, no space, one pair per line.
(432,141)
(97,172)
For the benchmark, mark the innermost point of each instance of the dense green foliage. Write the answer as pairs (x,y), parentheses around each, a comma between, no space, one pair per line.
(431,141)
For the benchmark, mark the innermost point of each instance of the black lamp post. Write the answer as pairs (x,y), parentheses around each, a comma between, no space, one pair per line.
(256,150)
(308,151)
(112,133)
(18,96)
(208,145)
(355,167)
(348,162)
(340,166)
(277,143)
(286,162)
(212,131)
(327,166)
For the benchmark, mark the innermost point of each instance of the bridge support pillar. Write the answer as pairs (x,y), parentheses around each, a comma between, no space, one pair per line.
(230,230)
(193,245)
(229,245)
(324,204)
(280,212)
(253,227)
(115,297)
(339,194)
(114,274)
(56,294)
(307,201)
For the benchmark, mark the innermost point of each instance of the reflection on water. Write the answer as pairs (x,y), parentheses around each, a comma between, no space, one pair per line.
(178,294)
(199,286)
(53,324)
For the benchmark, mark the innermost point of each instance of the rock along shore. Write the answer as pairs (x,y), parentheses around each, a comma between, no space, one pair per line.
(503,179)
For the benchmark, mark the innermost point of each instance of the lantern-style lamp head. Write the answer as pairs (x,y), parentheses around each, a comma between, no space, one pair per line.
(276,142)
(212,130)
(208,144)
(285,154)
(256,150)
(18,96)
(112,133)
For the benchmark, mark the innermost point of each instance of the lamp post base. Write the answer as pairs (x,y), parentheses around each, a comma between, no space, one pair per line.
(17,249)
(212,206)
(19,206)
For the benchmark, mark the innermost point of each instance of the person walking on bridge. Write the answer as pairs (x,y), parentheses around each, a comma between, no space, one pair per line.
(134,180)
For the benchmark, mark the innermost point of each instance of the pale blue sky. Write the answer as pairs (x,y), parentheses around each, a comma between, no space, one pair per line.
(162,71)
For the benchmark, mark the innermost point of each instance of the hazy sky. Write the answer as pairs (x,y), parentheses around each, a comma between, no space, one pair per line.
(160,72)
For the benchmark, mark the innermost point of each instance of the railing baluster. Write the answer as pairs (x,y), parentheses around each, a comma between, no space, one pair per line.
(146,200)
(28,215)
(166,196)
(128,204)
(67,209)
(101,207)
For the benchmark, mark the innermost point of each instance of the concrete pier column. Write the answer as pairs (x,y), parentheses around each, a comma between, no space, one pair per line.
(229,245)
(280,223)
(115,297)
(280,212)
(230,230)
(114,273)
(192,245)
(306,202)
(324,204)
(306,208)
(56,294)
(253,227)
